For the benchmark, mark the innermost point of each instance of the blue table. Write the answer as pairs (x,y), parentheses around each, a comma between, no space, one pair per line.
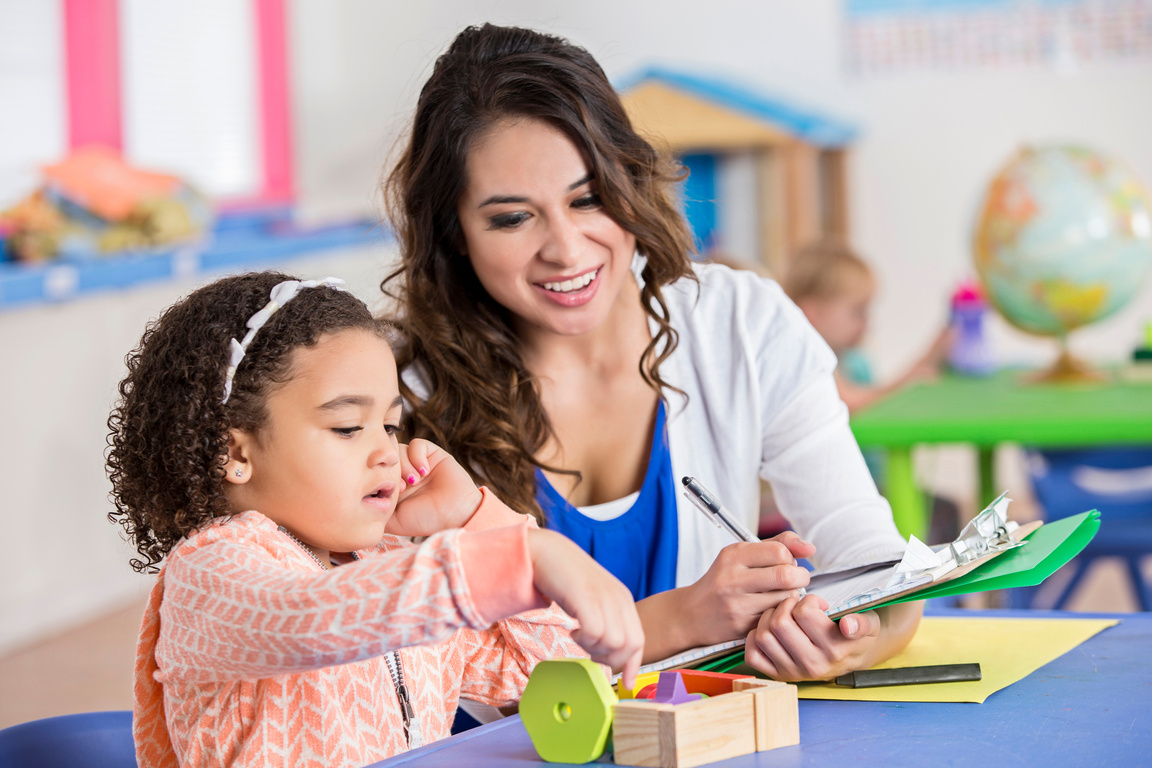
(1091,706)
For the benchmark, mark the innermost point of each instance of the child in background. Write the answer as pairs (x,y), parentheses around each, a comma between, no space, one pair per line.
(834,288)
(291,622)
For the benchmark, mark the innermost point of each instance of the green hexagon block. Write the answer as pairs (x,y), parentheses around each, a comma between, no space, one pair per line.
(567,709)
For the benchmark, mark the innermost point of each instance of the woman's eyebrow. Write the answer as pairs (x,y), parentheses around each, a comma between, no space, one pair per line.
(502,199)
(497,199)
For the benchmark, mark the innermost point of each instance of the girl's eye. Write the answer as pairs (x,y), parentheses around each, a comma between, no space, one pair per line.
(591,200)
(392,429)
(346,431)
(507,220)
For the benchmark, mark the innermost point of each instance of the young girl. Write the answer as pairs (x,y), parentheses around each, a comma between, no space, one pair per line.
(254,451)
(834,288)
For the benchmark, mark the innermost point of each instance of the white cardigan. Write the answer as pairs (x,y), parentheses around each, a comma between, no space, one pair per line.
(762,402)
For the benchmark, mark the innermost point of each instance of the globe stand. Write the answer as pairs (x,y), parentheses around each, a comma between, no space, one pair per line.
(1068,369)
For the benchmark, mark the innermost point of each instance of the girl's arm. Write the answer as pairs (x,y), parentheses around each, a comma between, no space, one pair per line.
(498,661)
(236,604)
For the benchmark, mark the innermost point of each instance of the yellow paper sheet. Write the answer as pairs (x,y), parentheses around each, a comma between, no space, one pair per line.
(1007,650)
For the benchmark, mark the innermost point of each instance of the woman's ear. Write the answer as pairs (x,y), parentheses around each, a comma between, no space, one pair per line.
(238,466)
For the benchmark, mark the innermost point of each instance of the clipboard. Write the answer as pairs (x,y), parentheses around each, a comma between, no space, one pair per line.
(1044,549)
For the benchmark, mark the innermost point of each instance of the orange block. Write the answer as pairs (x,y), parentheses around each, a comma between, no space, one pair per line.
(710,683)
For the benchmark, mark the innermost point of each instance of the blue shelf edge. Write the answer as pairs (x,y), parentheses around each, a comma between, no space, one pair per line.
(23,285)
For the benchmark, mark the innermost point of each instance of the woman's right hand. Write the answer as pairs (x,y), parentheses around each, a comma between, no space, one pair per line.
(610,628)
(745,580)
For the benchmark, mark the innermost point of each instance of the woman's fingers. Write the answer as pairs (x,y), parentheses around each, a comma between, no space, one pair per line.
(796,545)
(860,625)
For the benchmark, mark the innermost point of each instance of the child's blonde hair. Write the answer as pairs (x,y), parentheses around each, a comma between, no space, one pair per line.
(824,269)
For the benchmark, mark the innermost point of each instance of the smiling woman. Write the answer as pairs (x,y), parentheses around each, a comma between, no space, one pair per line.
(559,341)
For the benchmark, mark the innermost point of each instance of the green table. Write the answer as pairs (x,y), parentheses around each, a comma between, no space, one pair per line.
(989,411)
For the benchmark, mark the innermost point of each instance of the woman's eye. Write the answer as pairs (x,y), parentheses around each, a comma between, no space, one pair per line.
(591,200)
(507,220)
(346,431)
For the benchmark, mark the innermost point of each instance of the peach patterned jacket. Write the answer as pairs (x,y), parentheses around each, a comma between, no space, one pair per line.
(251,655)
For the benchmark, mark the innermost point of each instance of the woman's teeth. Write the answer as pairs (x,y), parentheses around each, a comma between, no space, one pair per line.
(574,284)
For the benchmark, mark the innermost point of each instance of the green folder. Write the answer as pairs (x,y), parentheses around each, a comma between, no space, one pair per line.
(1047,549)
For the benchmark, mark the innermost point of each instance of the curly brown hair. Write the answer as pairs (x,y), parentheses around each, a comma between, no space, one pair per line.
(483,403)
(169,432)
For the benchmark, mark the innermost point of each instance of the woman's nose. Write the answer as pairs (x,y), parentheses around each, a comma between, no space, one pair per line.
(562,246)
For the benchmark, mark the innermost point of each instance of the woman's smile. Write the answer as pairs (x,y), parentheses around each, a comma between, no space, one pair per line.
(572,292)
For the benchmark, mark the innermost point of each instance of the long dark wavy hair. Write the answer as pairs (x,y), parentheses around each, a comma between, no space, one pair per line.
(169,432)
(483,404)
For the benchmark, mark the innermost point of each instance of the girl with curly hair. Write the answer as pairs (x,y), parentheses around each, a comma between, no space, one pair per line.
(562,344)
(255,465)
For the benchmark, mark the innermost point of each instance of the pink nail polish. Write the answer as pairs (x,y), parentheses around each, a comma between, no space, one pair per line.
(423,471)
(411,479)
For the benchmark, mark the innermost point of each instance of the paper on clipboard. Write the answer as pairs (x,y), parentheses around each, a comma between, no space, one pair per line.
(987,536)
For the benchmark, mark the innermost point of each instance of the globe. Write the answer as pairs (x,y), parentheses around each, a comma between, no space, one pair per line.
(1063,238)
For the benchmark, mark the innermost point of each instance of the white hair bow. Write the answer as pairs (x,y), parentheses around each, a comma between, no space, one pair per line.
(281,294)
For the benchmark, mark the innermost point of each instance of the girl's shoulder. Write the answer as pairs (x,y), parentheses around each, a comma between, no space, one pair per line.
(249,529)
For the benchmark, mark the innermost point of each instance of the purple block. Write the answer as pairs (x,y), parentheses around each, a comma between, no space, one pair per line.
(670,690)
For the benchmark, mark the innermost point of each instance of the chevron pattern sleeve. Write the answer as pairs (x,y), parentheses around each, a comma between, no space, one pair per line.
(238,605)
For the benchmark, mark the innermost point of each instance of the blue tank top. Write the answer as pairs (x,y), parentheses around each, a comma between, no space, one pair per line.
(640,546)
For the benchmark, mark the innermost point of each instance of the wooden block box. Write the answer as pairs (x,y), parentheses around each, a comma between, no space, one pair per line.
(758,715)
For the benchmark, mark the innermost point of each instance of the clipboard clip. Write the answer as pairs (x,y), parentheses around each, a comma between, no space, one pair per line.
(989,531)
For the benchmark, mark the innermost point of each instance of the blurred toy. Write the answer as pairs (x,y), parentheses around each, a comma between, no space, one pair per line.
(94,203)
(970,353)
(694,718)
(1143,353)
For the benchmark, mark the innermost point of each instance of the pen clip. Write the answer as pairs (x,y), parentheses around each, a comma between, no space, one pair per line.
(700,505)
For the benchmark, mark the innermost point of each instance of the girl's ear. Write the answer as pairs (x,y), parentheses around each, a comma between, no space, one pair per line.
(238,467)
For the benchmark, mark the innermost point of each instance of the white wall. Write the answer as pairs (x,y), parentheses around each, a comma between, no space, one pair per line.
(32,88)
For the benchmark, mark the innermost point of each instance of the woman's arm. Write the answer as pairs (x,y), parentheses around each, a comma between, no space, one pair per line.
(797,641)
(745,580)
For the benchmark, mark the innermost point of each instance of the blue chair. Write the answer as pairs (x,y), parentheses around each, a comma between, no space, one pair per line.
(1116,481)
(85,740)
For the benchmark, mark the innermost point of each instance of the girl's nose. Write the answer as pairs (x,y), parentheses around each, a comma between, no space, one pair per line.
(386,451)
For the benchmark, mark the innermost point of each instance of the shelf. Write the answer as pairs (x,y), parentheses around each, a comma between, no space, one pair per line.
(237,242)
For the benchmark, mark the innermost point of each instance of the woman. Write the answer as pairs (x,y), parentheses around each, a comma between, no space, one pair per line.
(560,342)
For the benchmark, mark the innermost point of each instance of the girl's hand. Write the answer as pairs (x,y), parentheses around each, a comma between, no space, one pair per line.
(609,626)
(745,580)
(438,493)
(797,641)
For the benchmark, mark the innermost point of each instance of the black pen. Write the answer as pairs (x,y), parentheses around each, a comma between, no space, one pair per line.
(941,673)
(707,503)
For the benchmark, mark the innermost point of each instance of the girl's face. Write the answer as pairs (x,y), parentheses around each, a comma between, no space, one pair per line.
(538,238)
(326,463)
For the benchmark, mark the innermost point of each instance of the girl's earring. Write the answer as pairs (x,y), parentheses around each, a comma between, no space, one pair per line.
(239,473)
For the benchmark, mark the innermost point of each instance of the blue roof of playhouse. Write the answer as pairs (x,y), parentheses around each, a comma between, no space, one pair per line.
(814,128)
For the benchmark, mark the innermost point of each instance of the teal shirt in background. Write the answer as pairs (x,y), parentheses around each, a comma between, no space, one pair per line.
(853,365)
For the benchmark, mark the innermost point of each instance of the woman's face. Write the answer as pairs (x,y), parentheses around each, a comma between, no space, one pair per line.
(538,238)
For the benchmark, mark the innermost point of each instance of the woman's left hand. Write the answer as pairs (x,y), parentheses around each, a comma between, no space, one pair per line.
(797,641)
(438,493)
